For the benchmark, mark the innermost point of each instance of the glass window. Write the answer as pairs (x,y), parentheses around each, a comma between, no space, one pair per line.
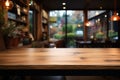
(113,29)
(72,21)
(98,25)
(31,21)
(56,23)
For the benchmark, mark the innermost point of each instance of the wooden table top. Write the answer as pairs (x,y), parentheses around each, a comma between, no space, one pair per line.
(60,58)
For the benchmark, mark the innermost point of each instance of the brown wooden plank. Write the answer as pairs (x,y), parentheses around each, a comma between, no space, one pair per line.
(60,58)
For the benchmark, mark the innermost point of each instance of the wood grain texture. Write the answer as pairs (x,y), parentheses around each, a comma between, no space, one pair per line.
(60,58)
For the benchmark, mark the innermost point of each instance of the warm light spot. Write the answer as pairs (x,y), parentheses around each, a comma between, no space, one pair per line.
(7,3)
(92,37)
(105,15)
(51,27)
(55,47)
(98,20)
(79,25)
(31,3)
(87,24)
(117,13)
(64,3)
(115,18)
(100,7)
(97,13)
(64,7)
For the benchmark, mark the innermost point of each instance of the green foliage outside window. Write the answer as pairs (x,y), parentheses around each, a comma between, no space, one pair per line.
(58,36)
(69,28)
(70,35)
(113,34)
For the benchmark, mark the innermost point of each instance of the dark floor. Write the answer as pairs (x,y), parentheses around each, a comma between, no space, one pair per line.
(62,78)
(76,78)
(92,78)
(48,78)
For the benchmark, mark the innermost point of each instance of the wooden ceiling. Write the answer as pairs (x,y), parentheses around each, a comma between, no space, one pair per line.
(79,4)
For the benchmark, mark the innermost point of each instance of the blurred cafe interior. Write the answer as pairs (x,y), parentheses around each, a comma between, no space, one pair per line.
(42,32)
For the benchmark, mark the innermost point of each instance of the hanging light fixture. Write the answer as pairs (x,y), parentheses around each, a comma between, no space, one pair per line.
(8,4)
(115,17)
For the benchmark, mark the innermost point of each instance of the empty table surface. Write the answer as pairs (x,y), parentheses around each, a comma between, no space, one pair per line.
(60,58)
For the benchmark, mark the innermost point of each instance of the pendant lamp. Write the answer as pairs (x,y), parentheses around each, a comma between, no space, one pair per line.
(115,17)
(8,4)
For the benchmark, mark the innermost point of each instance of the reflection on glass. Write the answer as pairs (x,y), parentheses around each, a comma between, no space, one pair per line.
(31,21)
(100,23)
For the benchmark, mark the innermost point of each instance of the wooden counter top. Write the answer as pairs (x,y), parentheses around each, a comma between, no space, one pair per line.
(60,58)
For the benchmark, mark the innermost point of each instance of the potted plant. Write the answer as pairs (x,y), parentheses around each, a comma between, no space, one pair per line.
(11,35)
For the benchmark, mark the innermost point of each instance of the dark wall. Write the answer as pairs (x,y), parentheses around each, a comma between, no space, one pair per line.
(2,46)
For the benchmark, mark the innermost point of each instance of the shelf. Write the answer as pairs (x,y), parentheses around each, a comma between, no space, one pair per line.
(18,21)
(21,3)
(23,13)
(13,10)
(44,15)
(23,17)
(45,28)
(44,21)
